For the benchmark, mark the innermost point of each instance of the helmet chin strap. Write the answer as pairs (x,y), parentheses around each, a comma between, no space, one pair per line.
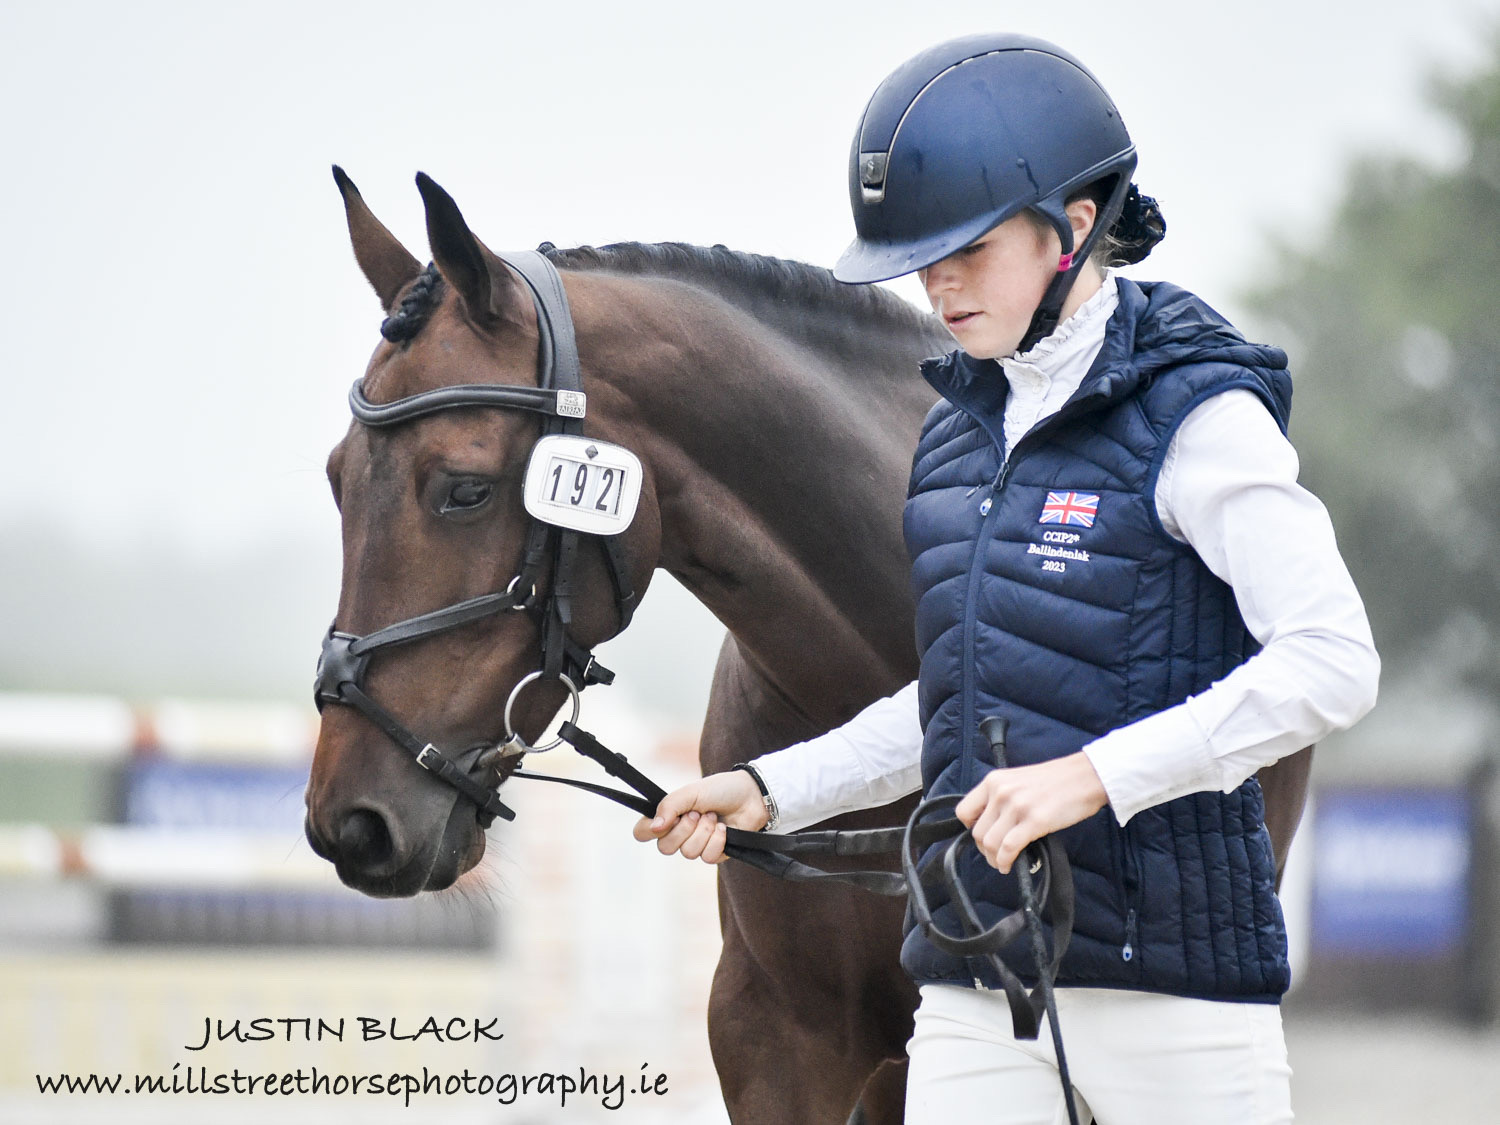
(1073,259)
(1044,320)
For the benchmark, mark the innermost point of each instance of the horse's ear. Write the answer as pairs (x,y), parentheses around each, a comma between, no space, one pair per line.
(481,280)
(387,265)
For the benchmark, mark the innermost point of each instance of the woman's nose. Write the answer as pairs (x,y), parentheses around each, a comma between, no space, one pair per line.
(938,277)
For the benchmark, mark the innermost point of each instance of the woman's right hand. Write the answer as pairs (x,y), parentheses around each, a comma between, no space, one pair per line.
(691,820)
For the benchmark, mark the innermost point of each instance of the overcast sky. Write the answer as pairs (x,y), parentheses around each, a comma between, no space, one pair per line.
(184,312)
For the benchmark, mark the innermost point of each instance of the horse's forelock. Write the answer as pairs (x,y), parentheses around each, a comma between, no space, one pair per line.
(422,296)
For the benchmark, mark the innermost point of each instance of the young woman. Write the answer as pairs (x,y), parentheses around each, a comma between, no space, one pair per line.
(1111,551)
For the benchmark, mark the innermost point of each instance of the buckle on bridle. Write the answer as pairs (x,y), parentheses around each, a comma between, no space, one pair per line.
(524,603)
(422,756)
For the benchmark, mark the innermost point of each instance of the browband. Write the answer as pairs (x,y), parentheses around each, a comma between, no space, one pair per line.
(542,400)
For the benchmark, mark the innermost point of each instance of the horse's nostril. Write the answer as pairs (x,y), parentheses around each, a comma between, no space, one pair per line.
(364,840)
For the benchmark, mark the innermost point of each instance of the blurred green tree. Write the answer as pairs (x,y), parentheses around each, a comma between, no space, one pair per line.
(1393,323)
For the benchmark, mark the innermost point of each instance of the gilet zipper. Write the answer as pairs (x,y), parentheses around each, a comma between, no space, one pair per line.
(969,722)
(1130,871)
(989,508)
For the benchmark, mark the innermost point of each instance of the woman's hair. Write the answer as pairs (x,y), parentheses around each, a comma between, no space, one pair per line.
(1133,235)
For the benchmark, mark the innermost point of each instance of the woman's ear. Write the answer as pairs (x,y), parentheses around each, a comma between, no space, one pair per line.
(1082,213)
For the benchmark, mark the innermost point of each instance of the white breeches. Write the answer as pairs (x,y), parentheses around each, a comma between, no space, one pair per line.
(1136,1058)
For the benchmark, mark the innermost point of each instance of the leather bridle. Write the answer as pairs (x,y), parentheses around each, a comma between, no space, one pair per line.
(560,399)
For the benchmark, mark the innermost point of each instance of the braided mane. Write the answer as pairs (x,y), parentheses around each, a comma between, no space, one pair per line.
(757,280)
(804,301)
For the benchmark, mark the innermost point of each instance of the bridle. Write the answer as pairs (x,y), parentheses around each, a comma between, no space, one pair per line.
(560,399)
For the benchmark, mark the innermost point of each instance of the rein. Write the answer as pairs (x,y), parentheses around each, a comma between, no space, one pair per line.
(1043,871)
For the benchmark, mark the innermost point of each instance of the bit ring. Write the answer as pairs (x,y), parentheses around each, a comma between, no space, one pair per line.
(510,731)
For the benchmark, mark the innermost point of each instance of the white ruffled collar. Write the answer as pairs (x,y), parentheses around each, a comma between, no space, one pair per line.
(1081,332)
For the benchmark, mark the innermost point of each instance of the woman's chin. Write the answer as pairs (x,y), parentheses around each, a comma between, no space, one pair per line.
(978,336)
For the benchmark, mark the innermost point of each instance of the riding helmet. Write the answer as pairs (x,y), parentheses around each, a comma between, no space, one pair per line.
(969,133)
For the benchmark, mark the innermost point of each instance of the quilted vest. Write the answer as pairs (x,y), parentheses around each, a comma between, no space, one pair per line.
(1048,593)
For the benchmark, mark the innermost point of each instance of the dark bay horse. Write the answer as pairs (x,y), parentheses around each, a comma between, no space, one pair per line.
(774,413)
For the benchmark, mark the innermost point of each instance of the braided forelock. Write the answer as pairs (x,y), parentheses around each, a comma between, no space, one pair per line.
(412,313)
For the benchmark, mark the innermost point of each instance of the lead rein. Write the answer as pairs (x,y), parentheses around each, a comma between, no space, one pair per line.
(1043,862)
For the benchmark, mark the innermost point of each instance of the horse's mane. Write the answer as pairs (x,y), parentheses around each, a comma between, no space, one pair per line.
(757,280)
(790,295)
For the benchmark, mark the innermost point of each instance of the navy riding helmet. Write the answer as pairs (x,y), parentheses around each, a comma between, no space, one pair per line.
(969,133)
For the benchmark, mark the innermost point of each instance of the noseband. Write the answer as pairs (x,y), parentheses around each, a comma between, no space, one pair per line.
(559,398)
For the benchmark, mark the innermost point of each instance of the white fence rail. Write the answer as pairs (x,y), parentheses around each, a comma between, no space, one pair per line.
(103,727)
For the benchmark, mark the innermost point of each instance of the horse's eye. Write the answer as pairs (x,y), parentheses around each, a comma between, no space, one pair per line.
(465,495)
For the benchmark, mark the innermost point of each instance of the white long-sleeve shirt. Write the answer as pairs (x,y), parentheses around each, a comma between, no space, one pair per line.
(1228,488)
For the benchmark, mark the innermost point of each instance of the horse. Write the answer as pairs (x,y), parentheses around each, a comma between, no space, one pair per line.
(774,413)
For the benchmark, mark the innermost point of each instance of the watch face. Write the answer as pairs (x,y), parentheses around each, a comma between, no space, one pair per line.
(583,484)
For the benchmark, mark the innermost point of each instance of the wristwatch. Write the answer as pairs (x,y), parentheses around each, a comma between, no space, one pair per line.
(773,816)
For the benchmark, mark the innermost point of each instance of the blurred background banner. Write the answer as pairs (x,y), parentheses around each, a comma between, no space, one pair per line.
(1393,872)
(186,317)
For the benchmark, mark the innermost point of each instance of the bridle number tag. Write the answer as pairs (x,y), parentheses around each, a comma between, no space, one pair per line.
(583,484)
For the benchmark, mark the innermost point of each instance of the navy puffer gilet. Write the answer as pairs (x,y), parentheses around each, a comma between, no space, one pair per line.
(1072,629)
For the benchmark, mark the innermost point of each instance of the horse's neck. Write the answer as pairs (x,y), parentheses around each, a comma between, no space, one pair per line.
(780,477)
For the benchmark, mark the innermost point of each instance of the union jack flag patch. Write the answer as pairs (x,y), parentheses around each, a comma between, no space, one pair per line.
(1078,508)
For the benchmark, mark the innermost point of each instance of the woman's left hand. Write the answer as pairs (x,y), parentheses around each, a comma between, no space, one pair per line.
(1011,808)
